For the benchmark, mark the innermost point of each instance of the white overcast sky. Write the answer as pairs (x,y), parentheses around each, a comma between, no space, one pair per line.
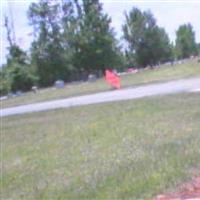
(168,13)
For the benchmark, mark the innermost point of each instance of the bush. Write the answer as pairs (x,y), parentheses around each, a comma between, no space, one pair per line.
(5,83)
(22,77)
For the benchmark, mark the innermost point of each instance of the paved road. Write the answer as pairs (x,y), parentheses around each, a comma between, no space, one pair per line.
(171,87)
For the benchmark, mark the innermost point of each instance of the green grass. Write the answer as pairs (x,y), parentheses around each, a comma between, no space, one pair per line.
(164,73)
(123,150)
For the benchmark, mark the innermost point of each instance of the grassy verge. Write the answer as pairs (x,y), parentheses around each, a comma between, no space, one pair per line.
(123,150)
(164,73)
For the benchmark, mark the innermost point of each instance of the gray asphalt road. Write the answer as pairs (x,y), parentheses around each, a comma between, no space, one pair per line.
(171,87)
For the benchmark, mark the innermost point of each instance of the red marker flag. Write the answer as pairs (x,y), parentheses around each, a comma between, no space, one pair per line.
(112,79)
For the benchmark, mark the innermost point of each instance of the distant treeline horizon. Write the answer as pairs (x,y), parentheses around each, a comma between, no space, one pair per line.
(73,38)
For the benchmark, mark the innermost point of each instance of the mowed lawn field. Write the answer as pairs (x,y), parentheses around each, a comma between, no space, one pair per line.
(124,150)
(163,73)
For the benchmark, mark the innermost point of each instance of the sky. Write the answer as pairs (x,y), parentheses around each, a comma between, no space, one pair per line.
(170,14)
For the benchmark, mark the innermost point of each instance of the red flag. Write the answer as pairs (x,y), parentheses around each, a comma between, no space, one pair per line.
(112,79)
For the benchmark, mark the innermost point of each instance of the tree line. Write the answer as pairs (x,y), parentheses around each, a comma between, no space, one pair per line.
(73,38)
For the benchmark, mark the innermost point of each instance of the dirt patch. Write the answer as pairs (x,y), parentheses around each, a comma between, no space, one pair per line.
(189,190)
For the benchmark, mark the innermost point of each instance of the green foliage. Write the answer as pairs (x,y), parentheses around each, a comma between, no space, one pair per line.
(16,54)
(96,47)
(21,77)
(185,42)
(18,74)
(5,83)
(147,43)
(70,38)
(49,52)
(74,37)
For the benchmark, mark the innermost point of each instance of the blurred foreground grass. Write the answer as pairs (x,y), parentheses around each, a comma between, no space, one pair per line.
(164,73)
(123,150)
